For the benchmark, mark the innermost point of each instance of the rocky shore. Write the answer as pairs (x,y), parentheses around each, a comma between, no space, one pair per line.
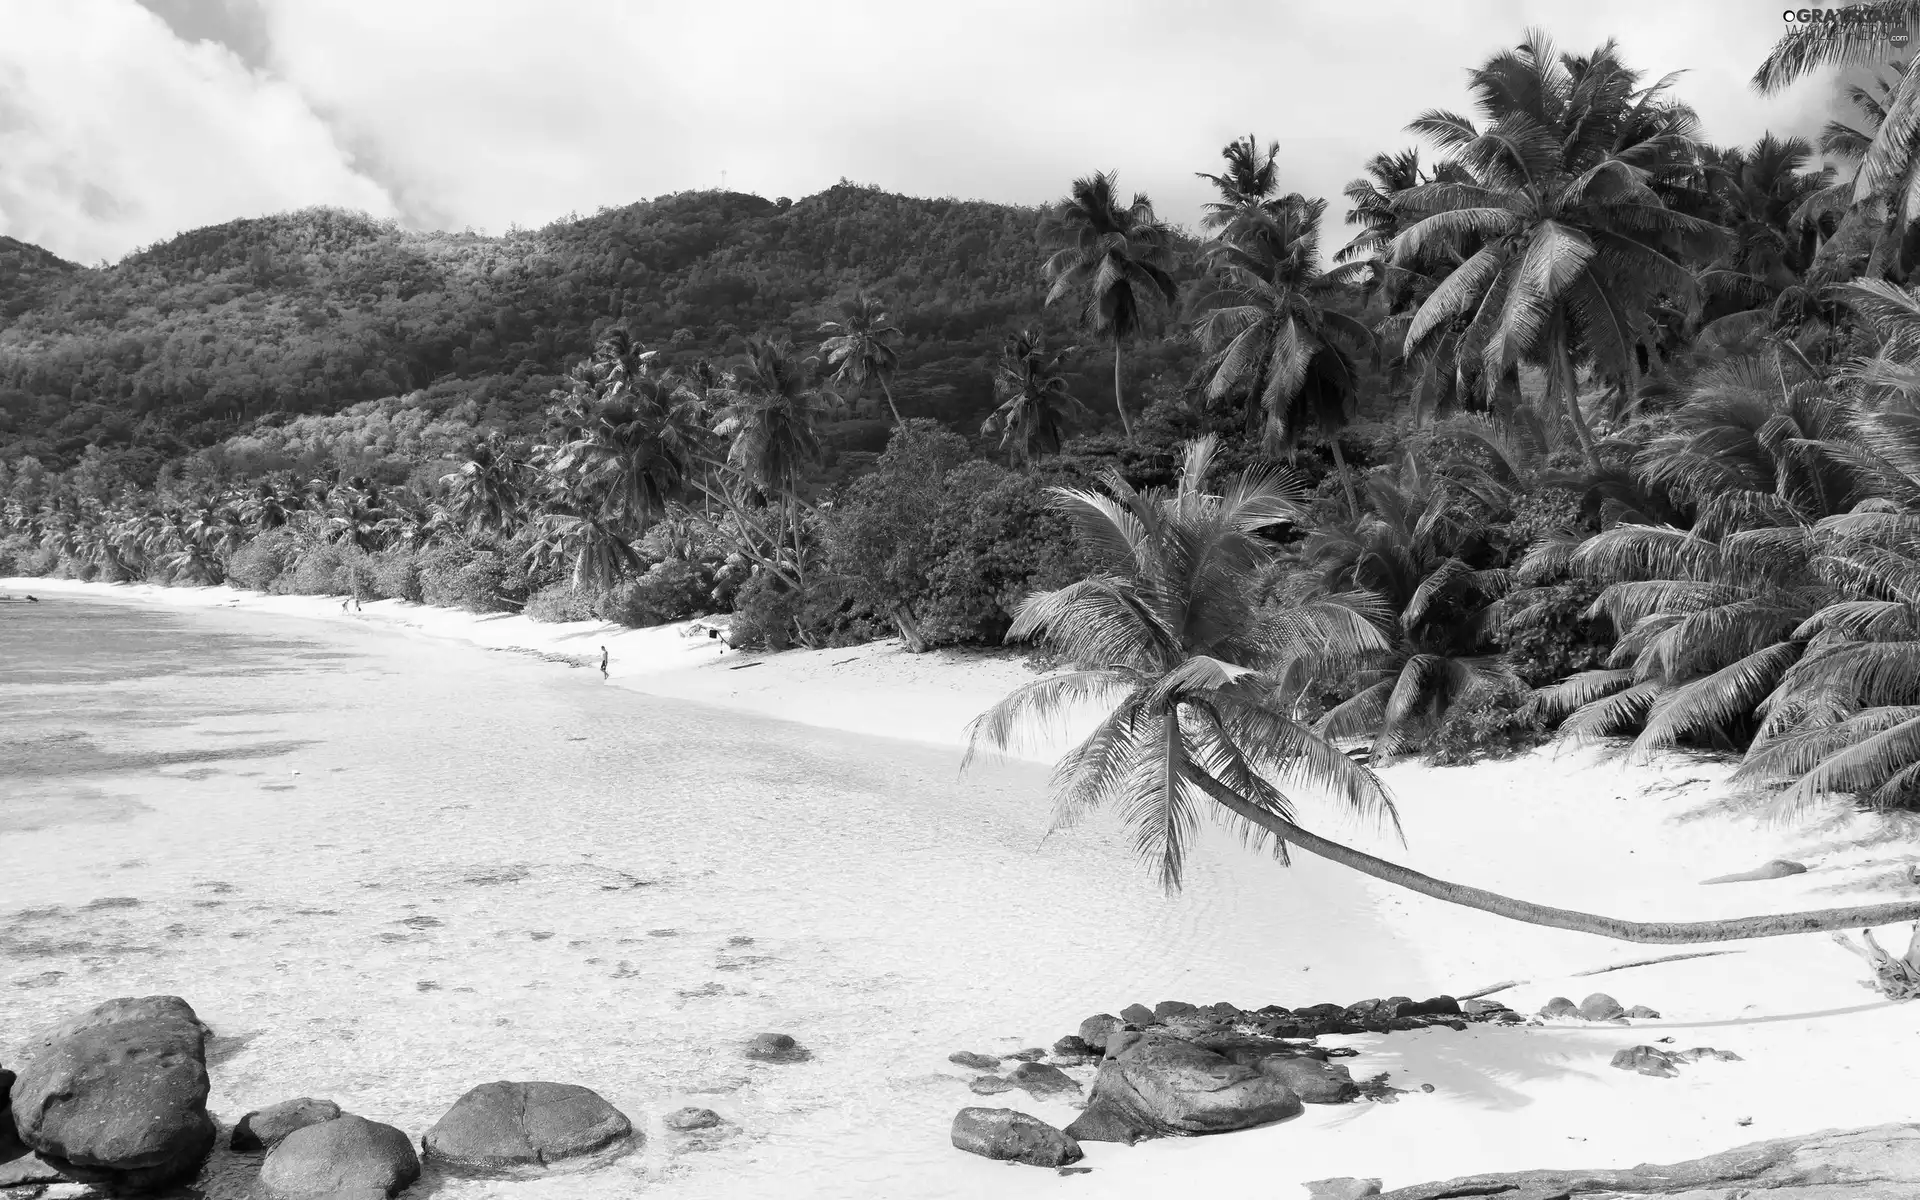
(113,1101)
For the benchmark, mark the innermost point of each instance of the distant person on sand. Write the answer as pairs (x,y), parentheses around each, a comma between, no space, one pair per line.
(603,662)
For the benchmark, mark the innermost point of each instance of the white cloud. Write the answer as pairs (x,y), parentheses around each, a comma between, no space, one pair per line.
(490,112)
(115,134)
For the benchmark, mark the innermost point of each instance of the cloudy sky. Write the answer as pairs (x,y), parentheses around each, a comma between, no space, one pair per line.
(124,122)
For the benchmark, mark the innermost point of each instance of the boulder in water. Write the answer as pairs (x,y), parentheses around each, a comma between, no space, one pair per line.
(1005,1135)
(117,1095)
(1041,1081)
(977,1062)
(347,1158)
(506,1129)
(777,1048)
(685,1120)
(262,1127)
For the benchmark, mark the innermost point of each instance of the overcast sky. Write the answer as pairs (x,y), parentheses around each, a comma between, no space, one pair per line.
(124,122)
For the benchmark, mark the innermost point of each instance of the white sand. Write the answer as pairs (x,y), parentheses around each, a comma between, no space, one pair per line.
(1818,1049)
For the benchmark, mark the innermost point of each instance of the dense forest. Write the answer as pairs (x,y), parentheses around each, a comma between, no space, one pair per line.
(1584,427)
(255,321)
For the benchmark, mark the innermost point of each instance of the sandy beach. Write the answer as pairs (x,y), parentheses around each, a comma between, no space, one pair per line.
(443,866)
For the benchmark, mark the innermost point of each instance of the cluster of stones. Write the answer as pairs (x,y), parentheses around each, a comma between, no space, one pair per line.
(1597,1007)
(117,1097)
(1180,1070)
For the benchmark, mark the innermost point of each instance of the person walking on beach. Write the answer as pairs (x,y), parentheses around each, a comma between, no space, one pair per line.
(603,662)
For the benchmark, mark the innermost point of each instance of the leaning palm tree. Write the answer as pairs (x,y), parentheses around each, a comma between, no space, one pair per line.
(1575,242)
(1034,398)
(1118,257)
(1273,336)
(1169,635)
(1887,187)
(859,346)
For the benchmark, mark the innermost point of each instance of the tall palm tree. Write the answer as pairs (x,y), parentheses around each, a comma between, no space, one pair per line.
(1575,241)
(487,495)
(631,455)
(859,346)
(1886,190)
(1119,258)
(1273,337)
(1251,178)
(770,413)
(1200,722)
(1034,397)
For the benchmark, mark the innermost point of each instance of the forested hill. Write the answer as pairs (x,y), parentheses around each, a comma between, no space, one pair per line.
(193,339)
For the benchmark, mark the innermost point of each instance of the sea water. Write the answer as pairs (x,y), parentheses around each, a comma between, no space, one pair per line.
(385,869)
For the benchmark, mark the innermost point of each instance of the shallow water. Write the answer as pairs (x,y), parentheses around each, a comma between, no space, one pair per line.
(386,869)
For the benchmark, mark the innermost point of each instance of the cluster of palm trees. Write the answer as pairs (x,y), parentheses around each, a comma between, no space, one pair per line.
(1685,378)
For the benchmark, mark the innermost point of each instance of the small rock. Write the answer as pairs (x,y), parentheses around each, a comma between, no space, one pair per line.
(1779,868)
(1072,1046)
(1319,1012)
(1095,1030)
(1227,1014)
(1174,1008)
(1700,1052)
(973,1061)
(1138,1014)
(1344,1188)
(685,1120)
(1314,1081)
(991,1085)
(28,1171)
(1005,1135)
(1647,1061)
(777,1048)
(1641,1012)
(1600,1007)
(262,1127)
(505,1128)
(1480,1008)
(1030,1054)
(347,1158)
(1427,1087)
(1559,1007)
(1040,1080)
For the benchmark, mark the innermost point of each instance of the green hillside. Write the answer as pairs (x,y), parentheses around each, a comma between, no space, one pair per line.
(194,339)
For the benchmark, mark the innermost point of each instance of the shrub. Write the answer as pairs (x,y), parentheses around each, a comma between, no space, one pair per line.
(994,539)
(475,580)
(1552,637)
(560,602)
(261,561)
(671,590)
(317,569)
(394,574)
(771,615)
(16,550)
(1492,726)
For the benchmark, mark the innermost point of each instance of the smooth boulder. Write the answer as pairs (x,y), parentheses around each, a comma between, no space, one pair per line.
(1041,1081)
(776,1047)
(118,1094)
(263,1127)
(1159,1086)
(1601,1007)
(1006,1135)
(1095,1030)
(347,1158)
(509,1129)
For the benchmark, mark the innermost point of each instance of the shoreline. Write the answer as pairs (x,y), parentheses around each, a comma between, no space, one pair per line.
(876,689)
(1570,828)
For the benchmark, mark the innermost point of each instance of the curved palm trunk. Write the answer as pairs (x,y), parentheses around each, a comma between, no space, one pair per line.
(1119,405)
(1570,387)
(1660,932)
(891,406)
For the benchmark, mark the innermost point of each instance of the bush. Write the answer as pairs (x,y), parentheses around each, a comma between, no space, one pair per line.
(672,590)
(261,561)
(996,538)
(316,569)
(1552,637)
(394,574)
(478,581)
(1493,726)
(16,551)
(771,615)
(560,602)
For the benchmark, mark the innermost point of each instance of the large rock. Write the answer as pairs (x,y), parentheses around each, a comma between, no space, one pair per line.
(263,1127)
(511,1129)
(1878,1163)
(1158,1086)
(118,1094)
(1304,1069)
(347,1158)
(1095,1030)
(1041,1081)
(1005,1135)
(1601,1007)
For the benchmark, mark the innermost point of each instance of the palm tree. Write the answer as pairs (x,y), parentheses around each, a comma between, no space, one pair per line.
(631,455)
(1252,178)
(859,346)
(1886,190)
(598,551)
(1272,336)
(1574,240)
(1118,257)
(1034,397)
(487,494)
(770,413)
(1168,633)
